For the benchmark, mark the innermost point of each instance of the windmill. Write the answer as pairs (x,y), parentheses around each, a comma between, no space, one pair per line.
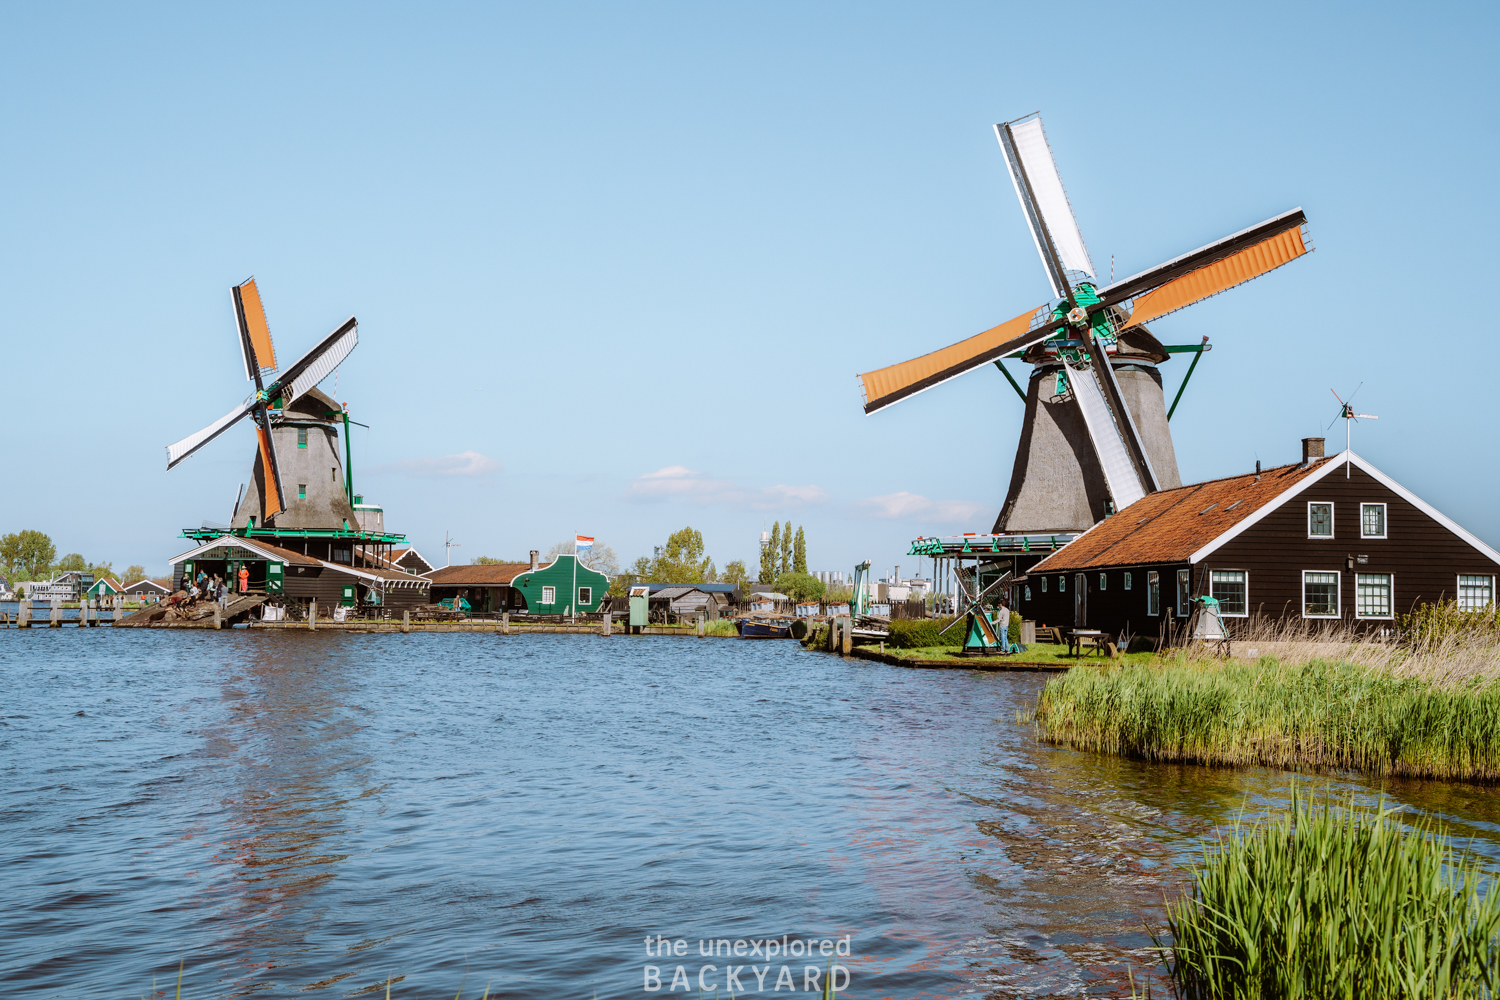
(1346,410)
(271,401)
(1095,436)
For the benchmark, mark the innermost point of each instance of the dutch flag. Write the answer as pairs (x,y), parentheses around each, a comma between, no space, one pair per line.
(582,542)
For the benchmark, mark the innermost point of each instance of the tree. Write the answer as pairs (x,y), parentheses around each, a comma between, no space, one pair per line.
(134,574)
(102,571)
(769,554)
(683,559)
(736,574)
(27,554)
(799,586)
(784,564)
(73,563)
(492,561)
(799,552)
(601,557)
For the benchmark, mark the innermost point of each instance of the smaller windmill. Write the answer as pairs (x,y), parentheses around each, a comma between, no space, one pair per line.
(1346,410)
(269,399)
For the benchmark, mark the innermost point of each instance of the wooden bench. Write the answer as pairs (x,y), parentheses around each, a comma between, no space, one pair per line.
(1096,642)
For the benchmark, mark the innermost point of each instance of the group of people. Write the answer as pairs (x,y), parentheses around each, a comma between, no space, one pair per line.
(208,587)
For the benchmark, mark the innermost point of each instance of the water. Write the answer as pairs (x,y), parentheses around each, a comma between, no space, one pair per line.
(321,811)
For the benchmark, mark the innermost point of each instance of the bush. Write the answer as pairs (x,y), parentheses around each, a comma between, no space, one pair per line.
(920,633)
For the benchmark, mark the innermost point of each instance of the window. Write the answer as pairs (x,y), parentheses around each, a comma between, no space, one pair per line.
(1372,520)
(1372,595)
(333,473)
(1127,579)
(1103,581)
(1320,595)
(342,555)
(301,437)
(585,595)
(1184,593)
(1228,587)
(1475,593)
(1044,584)
(301,491)
(1153,592)
(549,595)
(1320,520)
(1028,593)
(1062,584)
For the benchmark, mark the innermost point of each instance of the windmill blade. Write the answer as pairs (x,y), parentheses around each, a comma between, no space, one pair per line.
(274,498)
(885,386)
(1044,201)
(317,364)
(182,449)
(1364,416)
(255,334)
(1109,444)
(1210,269)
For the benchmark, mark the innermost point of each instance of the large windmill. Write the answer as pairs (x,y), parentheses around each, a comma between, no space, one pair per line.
(285,405)
(1095,436)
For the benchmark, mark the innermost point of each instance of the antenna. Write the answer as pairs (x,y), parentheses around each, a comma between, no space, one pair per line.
(448,546)
(1346,410)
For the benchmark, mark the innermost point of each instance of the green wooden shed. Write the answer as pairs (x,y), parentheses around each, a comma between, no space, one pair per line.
(549,589)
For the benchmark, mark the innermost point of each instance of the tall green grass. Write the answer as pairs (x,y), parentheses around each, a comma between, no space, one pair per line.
(1335,903)
(1317,713)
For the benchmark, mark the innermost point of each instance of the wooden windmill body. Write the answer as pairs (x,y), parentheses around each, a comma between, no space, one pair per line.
(1095,437)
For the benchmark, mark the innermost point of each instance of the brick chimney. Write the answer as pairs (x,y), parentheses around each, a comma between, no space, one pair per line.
(1312,449)
(534,552)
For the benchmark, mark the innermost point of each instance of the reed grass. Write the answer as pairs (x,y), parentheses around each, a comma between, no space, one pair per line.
(1422,701)
(1335,902)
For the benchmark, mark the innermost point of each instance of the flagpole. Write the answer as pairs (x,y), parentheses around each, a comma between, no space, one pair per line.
(574,595)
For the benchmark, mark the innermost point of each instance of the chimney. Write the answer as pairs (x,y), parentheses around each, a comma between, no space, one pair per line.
(534,554)
(1312,448)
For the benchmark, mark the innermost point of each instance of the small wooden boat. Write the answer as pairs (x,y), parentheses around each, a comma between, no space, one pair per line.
(764,628)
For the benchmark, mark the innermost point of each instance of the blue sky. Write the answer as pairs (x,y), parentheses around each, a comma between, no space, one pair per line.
(627,259)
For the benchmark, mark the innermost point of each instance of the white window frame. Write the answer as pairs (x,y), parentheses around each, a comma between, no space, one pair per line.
(585,596)
(1153,593)
(549,595)
(1062,583)
(1390,595)
(1185,593)
(1103,581)
(1126,585)
(1044,584)
(1384,519)
(1338,596)
(1332,523)
(1458,584)
(1244,573)
(1028,591)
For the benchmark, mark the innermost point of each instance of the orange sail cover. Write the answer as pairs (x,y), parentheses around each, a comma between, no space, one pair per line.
(1221,275)
(270,494)
(887,385)
(255,323)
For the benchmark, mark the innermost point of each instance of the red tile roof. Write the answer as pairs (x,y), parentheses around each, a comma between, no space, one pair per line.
(1168,527)
(492,575)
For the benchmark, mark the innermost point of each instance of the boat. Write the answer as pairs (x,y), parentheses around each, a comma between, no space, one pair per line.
(764,628)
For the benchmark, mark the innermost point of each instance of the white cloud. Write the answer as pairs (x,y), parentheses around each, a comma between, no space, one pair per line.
(677,482)
(466,463)
(914,506)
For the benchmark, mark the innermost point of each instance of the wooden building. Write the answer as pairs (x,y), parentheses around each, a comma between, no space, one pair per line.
(302,578)
(1326,539)
(524,587)
(410,560)
(146,591)
(105,588)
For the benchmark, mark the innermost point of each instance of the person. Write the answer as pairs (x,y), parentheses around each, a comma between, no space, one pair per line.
(1005,643)
(187,581)
(244,576)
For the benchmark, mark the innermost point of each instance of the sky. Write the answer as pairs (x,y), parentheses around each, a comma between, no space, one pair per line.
(616,266)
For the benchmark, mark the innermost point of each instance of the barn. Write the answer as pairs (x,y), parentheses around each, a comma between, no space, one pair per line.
(524,587)
(1327,539)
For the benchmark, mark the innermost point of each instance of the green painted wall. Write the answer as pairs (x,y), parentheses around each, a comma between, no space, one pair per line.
(559,576)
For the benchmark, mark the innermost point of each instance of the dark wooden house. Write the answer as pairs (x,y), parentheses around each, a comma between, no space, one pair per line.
(301,578)
(1325,539)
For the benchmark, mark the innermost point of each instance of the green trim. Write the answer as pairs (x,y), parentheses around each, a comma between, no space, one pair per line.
(1183,388)
(1011,379)
(208,534)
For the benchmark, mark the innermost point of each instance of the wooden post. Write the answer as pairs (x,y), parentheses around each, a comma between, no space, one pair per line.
(833,634)
(55,620)
(119,608)
(23,614)
(505,623)
(846,645)
(218,615)
(700,626)
(312,614)
(406,621)
(608,622)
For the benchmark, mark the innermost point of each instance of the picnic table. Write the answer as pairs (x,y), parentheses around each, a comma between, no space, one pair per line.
(1095,640)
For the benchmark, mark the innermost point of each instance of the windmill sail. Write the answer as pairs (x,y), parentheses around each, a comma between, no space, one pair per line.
(1027,153)
(255,332)
(317,364)
(888,385)
(1109,444)
(275,498)
(182,449)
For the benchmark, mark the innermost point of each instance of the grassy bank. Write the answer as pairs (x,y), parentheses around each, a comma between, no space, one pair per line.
(1317,713)
(1335,903)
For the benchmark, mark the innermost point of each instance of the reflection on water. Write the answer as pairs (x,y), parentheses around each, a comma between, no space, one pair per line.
(320,812)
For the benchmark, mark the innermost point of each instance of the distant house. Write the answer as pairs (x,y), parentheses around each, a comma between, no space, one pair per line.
(66,587)
(411,561)
(689,602)
(767,600)
(105,587)
(529,587)
(1328,539)
(146,591)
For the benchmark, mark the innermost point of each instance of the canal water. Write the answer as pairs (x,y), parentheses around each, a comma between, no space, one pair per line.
(323,812)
